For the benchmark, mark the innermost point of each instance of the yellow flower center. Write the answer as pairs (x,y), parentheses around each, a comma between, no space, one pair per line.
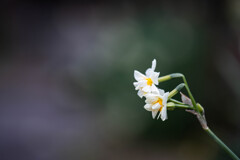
(160,102)
(149,81)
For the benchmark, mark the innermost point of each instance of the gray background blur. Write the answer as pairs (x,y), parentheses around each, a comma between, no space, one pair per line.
(66,77)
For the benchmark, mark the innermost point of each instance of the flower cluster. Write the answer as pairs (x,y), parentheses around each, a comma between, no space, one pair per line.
(156,99)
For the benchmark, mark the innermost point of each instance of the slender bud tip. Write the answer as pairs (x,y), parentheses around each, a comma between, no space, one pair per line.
(175,75)
(180,86)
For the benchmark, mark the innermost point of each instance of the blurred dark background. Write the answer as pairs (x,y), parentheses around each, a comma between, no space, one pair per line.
(66,78)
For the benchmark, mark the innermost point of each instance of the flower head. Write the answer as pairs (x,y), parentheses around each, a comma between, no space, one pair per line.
(146,83)
(157,102)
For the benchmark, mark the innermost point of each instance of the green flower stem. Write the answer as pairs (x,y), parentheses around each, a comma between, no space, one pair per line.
(177,75)
(172,105)
(164,78)
(197,109)
(220,143)
(175,101)
(183,106)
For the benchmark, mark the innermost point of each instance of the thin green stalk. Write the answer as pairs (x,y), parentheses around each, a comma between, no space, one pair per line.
(220,142)
(177,75)
(175,101)
(164,78)
(196,109)
(180,75)
(172,105)
(183,106)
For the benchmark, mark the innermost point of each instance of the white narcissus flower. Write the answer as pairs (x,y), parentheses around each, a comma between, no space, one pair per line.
(157,102)
(146,83)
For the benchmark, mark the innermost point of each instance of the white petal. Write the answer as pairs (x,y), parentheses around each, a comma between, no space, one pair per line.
(139,76)
(154,62)
(155,92)
(149,72)
(150,98)
(154,113)
(154,76)
(147,88)
(136,85)
(140,93)
(156,106)
(148,107)
(159,115)
(165,98)
(164,113)
(161,92)
(154,89)
(142,83)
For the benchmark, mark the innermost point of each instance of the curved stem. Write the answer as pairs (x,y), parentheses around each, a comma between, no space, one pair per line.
(183,106)
(177,75)
(194,110)
(220,143)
